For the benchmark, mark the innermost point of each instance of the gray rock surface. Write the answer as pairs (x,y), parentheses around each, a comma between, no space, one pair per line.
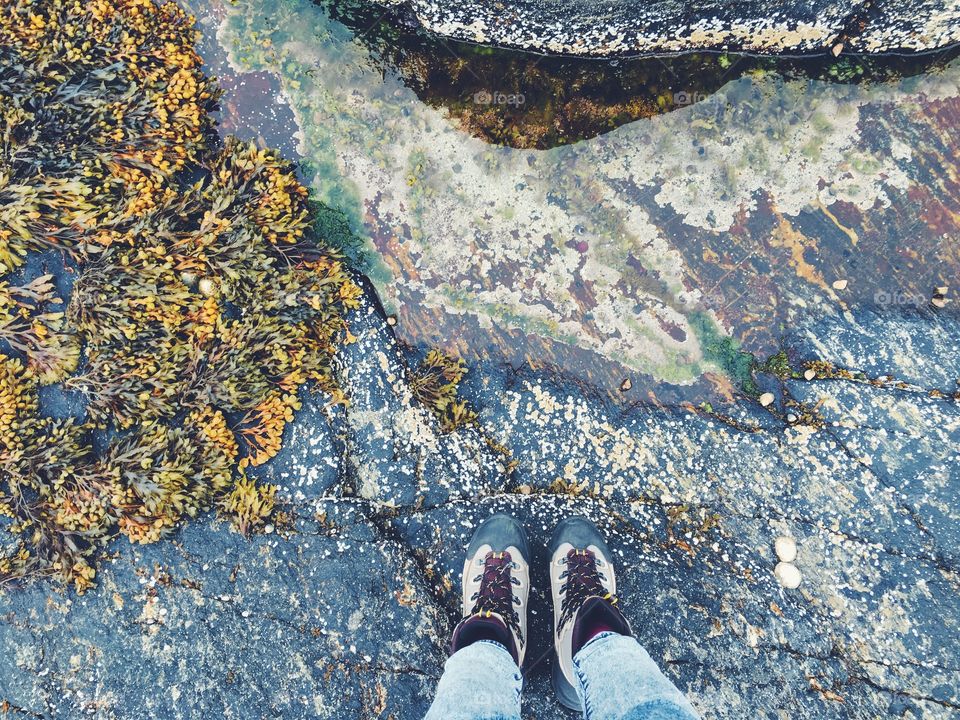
(343,609)
(583,27)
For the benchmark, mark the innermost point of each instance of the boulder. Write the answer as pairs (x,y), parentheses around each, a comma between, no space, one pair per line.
(583,27)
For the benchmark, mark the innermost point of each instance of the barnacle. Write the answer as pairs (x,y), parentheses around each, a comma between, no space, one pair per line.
(434,383)
(201,303)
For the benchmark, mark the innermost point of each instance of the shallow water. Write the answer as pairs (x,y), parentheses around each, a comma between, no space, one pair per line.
(662,249)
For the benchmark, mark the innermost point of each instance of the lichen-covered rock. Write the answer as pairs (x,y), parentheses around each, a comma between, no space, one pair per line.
(582,27)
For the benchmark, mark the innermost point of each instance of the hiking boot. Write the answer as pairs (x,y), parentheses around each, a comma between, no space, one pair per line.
(584,599)
(496,586)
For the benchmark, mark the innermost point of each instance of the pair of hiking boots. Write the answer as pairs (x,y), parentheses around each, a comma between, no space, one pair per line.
(496,587)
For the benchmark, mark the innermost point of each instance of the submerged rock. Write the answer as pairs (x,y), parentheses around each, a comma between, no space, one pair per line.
(657,251)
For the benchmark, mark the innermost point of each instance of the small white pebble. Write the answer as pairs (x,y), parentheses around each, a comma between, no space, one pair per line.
(786,548)
(788,575)
(766,399)
(839,284)
(809,374)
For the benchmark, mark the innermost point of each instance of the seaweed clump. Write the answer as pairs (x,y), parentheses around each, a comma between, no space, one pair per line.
(434,383)
(202,301)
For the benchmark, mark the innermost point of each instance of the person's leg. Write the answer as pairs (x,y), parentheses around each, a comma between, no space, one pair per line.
(480,682)
(618,680)
(600,669)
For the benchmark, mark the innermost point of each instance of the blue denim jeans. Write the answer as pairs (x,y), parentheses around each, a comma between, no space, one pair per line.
(617,680)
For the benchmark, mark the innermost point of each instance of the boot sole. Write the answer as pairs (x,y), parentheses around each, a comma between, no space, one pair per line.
(565,692)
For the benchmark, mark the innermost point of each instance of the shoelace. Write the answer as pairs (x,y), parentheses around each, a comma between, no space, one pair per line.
(496,591)
(583,581)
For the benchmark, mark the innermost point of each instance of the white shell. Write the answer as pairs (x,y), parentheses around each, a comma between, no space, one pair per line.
(788,575)
(809,374)
(786,548)
(207,287)
(839,284)
(766,399)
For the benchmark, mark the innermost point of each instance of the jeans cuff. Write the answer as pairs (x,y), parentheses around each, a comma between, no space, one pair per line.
(497,645)
(594,643)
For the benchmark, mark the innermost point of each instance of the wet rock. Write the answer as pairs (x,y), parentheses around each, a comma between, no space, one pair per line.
(220,626)
(394,450)
(344,610)
(912,346)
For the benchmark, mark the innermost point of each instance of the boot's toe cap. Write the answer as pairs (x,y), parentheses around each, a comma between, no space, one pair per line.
(579,532)
(500,532)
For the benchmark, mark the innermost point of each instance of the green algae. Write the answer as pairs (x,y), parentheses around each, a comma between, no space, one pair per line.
(724,352)
(779,365)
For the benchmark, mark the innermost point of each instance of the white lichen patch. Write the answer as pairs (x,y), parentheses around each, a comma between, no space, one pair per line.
(586,28)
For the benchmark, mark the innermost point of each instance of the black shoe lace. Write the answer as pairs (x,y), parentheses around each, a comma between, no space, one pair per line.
(496,591)
(583,581)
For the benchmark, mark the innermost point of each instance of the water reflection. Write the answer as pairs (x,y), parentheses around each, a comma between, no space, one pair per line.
(527,100)
(661,250)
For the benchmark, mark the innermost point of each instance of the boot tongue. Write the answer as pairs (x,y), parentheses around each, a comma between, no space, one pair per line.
(597,615)
(486,627)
